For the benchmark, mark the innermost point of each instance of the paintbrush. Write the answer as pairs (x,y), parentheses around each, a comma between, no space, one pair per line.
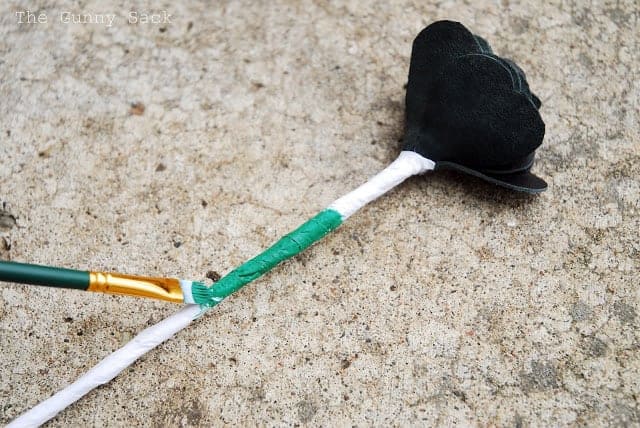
(169,289)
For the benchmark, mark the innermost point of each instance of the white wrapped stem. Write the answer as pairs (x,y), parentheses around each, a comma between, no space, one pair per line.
(406,165)
(108,368)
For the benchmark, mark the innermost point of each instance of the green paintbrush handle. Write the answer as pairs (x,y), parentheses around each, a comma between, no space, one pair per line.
(43,275)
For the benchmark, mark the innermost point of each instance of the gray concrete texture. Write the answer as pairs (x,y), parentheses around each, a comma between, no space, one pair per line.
(178,148)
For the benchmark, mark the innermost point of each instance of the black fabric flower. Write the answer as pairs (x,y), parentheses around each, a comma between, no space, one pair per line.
(471,110)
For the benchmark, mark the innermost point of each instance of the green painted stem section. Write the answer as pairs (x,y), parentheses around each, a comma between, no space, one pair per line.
(288,246)
(43,275)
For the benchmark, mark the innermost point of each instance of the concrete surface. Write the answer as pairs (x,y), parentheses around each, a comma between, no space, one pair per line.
(447,302)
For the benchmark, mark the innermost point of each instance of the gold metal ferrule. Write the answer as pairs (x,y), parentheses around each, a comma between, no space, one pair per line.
(129,285)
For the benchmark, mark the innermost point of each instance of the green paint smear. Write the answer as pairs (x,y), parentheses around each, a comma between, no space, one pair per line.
(288,246)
